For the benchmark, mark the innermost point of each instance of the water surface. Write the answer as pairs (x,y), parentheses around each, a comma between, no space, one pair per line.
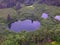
(26,25)
(44,15)
(57,17)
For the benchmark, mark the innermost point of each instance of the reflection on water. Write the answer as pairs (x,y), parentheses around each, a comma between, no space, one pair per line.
(26,25)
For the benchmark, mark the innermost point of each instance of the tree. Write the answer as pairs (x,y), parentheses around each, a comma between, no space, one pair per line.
(8,18)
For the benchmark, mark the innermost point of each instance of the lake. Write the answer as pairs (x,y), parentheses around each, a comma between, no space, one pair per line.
(26,25)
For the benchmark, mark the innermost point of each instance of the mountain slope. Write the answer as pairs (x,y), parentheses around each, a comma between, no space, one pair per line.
(11,3)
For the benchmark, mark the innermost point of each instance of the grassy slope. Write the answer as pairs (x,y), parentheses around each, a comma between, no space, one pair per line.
(6,11)
(49,9)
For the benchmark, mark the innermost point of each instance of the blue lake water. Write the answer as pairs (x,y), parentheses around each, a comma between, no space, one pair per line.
(26,25)
(44,15)
(57,17)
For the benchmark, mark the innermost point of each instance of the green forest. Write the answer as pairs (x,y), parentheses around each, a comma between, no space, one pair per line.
(47,34)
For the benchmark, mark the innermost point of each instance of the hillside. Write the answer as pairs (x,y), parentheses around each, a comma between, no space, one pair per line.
(12,3)
(42,11)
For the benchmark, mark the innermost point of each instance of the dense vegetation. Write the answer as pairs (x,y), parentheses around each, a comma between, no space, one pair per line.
(47,34)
